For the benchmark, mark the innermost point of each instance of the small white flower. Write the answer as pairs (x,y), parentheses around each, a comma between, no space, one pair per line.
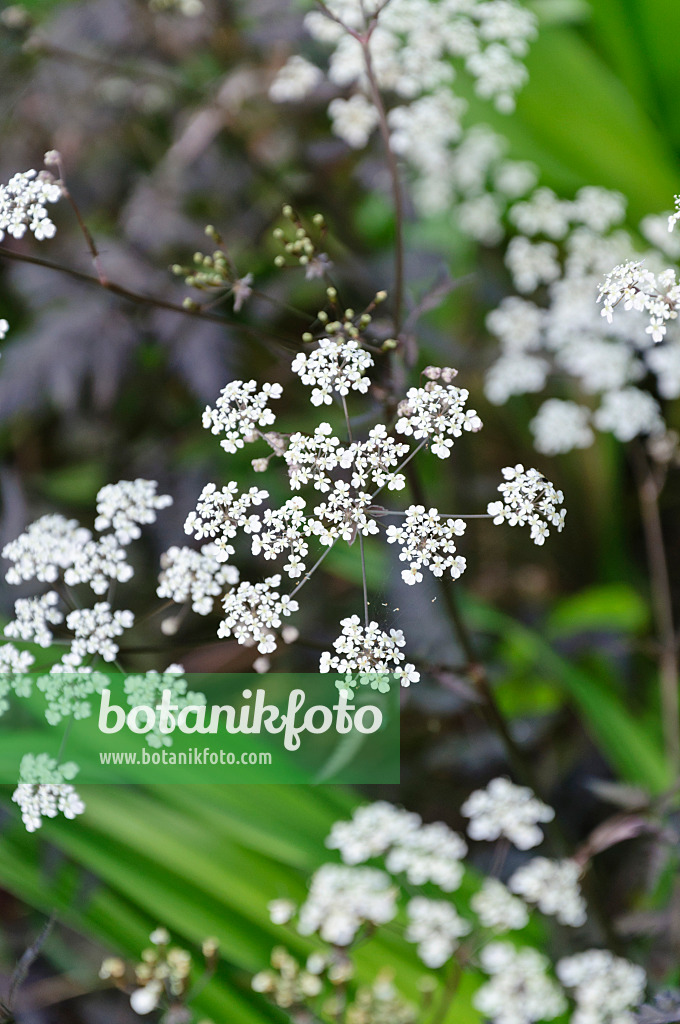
(528,500)
(497,908)
(436,927)
(294,81)
(341,899)
(605,986)
(44,790)
(503,809)
(519,990)
(436,413)
(553,886)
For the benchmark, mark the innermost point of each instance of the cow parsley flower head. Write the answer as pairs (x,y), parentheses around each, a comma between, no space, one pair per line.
(310,458)
(519,990)
(196,576)
(636,287)
(254,611)
(14,664)
(33,617)
(371,653)
(295,80)
(371,831)
(497,908)
(372,461)
(67,692)
(44,790)
(436,413)
(127,504)
(436,927)
(528,499)
(504,809)
(281,531)
(23,204)
(341,899)
(219,514)
(604,986)
(560,426)
(425,539)
(628,413)
(241,412)
(335,366)
(531,264)
(147,689)
(96,630)
(554,887)
(46,547)
(412,47)
(343,514)
(99,563)
(354,119)
(431,853)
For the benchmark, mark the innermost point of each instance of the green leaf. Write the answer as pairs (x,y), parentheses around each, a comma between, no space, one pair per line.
(630,744)
(612,606)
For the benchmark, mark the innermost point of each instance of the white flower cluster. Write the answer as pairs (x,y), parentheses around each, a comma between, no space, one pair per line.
(241,412)
(311,458)
(430,853)
(296,79)
(196,576)
(528,499)
(253,611)
(14,664)
(335,365)
(413,46)
(67,692)
(219,515)
(519,990)
(46,547)
(99,563)
(343,514)
(506,810)
(281,530)
(497,908)
(605,986)
(560,426)
(371,461)
(606,355)
(637,287)
(54,547)
(520,987)
(371,831)
(342,899)
(33,617)
(127,504)
(148,689)
(427,540)
(436,413)
(424,853)
(436,927)
(371,653)
(44,790)
(95,631)
(23,204)
(554,887)
(4,327)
